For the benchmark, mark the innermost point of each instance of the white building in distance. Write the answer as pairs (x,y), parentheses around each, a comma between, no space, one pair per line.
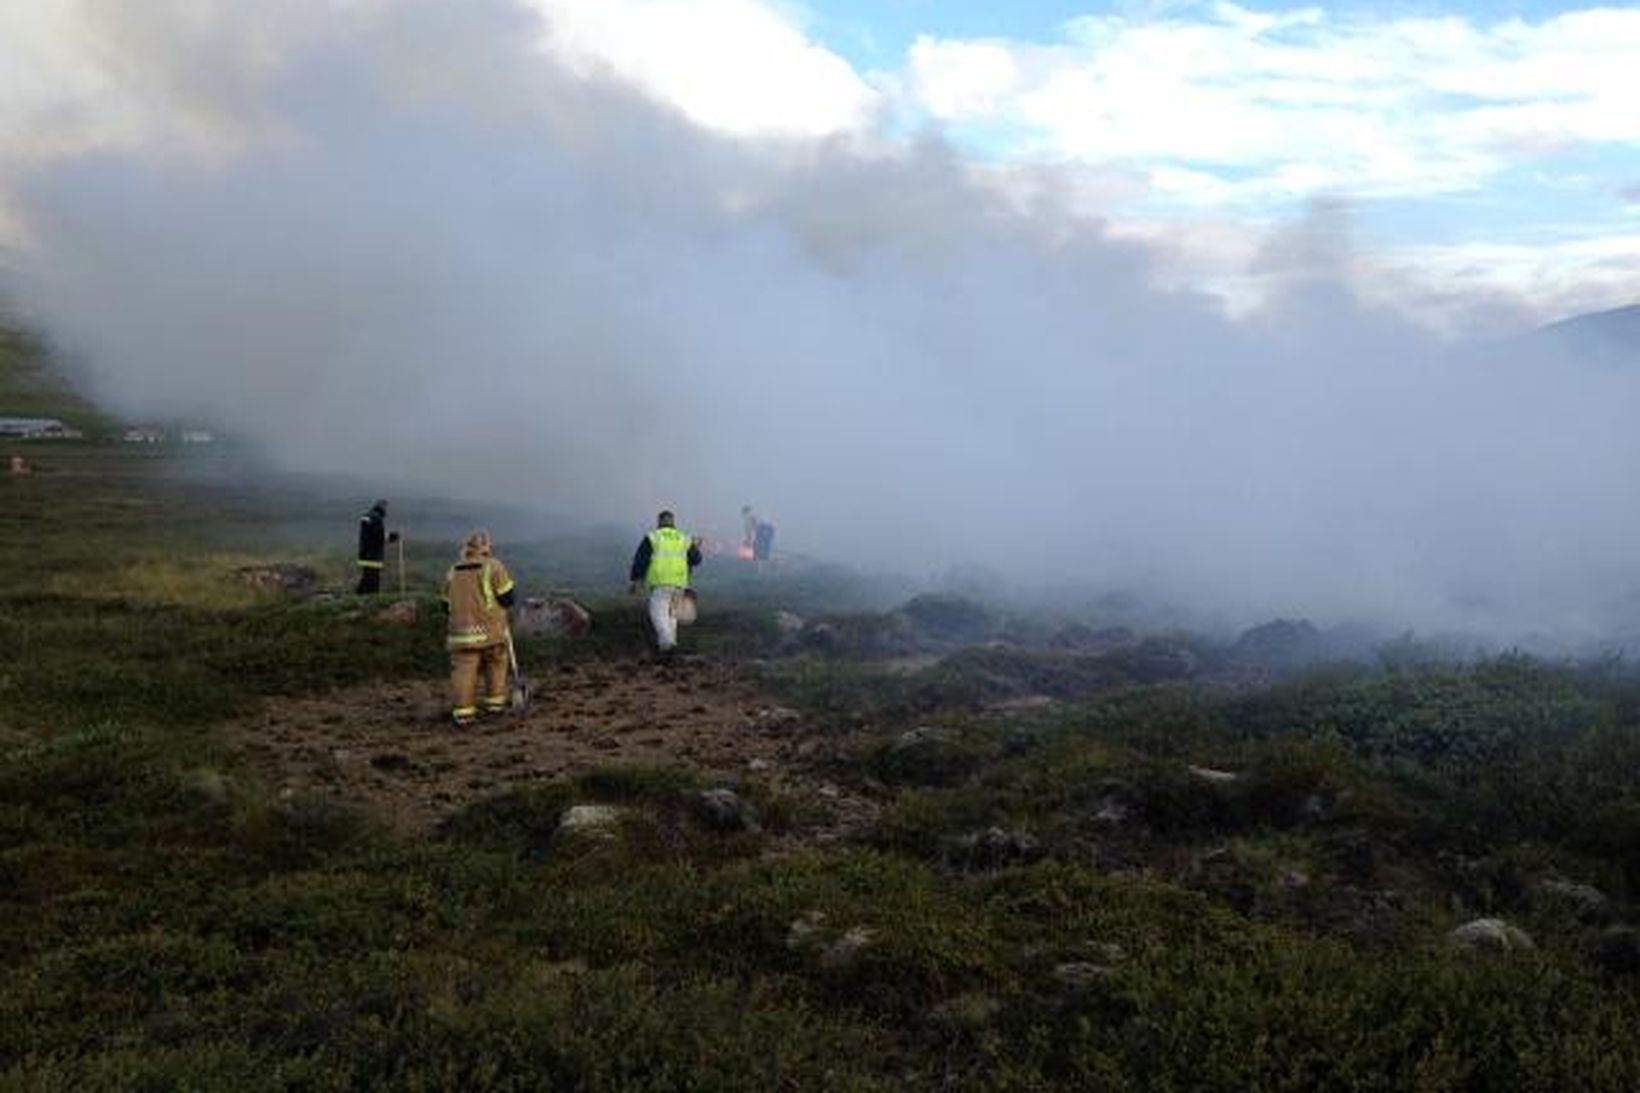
(37,428)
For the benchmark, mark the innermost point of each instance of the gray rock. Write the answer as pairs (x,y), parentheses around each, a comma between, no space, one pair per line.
(1115,803)
(821,637)
(971,1011)
(589,821)
(210,784)
(1079,975)
(1155,661)
(995,846)
(557,617)
(1215,777)
(279,577)
(806,930)
(844,950)
(402,613)
(922,736)
(1022,703)
(1489,935)
(726,810)
(1583,897)
(788,623)
(1111,811)
(1282,643)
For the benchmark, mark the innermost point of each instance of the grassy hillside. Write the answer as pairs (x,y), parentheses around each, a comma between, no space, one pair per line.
(29,387)
(1077,861)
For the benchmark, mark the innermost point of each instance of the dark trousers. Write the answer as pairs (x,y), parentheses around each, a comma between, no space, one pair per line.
(370,579)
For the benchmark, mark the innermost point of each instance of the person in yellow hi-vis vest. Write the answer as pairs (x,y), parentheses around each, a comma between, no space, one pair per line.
(477,592)
(662,564)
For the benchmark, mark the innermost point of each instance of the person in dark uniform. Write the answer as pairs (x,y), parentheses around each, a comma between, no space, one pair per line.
(763,541)
(373,540)
(758,542)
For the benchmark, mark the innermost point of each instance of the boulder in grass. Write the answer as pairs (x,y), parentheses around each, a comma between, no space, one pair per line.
(589,821)
(1281,643)
(1584,899)
(1079,975)
(922,736)
(967,1011)
(822,637)
(996,847)
(927,755)
(574,616)
(842,952)
(725,810)
(806,931)
(1115,802)
(949,617)
(283,577)
(211,785)
(402,613)
(811,933)
(1490,935)
(555,617)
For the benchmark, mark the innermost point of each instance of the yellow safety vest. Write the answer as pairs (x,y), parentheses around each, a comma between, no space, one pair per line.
(668,559)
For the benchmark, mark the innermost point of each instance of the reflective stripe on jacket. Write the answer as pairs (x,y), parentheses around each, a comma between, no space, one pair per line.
(668,560)
(477,619)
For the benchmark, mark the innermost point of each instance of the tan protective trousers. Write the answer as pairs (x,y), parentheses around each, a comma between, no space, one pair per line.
(465,667)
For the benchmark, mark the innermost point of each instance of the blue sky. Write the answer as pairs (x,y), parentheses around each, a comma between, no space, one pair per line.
(1478,135)
(874,33)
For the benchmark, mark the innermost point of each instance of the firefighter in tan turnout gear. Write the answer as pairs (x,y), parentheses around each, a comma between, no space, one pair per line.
(477,593)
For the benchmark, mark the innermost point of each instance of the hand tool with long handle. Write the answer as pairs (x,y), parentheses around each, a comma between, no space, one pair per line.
(518,694)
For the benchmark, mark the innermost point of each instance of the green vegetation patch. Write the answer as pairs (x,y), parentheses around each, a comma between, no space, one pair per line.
(1087,870)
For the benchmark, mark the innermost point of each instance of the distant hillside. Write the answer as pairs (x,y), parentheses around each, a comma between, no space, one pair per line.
(1606,335)
(29,387)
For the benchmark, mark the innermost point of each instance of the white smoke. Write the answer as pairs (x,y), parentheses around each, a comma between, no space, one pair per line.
(396,240)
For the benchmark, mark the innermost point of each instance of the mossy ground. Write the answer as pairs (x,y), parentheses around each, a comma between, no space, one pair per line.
(169,919)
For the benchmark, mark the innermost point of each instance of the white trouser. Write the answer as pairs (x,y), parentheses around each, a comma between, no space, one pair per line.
(660,616)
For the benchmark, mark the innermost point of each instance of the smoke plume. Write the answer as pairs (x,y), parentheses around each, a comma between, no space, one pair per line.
(398,241)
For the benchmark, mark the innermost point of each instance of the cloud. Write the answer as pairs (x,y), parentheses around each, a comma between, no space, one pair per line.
(420,250)
(1547,281)
(74,73)
(1282,104)
(1190,113)
(733,65)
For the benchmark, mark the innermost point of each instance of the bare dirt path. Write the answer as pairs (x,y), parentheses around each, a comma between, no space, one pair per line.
(390,748)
